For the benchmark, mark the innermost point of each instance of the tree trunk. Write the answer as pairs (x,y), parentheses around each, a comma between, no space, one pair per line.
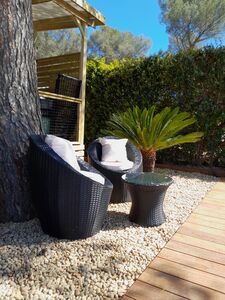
(149,158)
(19,107)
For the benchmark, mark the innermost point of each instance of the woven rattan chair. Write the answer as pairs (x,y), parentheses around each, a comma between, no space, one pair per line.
(68,86)
(120,193)
(65,122)
(68,204)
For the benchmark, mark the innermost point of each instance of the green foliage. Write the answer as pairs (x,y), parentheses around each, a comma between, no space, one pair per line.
(57,42)
(193,81)
(192,23)
(112,44)
(107,42)
(150,131)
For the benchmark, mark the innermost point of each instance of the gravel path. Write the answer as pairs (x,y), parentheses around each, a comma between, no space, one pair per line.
(34,266)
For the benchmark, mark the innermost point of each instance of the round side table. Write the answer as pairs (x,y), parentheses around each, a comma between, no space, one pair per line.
(147,192)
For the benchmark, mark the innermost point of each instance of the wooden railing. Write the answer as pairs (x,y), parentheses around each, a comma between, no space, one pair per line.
(47,72)
(49,68)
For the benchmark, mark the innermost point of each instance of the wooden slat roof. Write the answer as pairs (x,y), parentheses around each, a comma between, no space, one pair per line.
(59,14)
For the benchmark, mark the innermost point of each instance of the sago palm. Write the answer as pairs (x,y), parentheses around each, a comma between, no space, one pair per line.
(151,131)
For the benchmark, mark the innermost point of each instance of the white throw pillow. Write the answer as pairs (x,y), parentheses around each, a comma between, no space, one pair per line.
(94,176)
(113,149)
(118,165)
(64,149)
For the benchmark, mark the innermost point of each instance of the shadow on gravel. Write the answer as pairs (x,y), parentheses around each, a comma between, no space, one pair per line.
(117,221)
(20,245)
(26,234)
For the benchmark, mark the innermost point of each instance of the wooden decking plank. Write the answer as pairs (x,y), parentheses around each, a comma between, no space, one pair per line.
(187,273)
(127,298)
(199,243)
(219,186)
(218,189)
(204,233)
(216,194)
(193,262)
(206,221)
(196,251)
(218,220)
(211,219)
(214,207)
(179,286)
(141,291)
(206,228)
(214,200)
(211,213)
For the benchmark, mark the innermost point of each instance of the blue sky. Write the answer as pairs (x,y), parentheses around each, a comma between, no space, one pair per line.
(138,17)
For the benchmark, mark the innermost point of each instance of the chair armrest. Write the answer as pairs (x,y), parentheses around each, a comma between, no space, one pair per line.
(84,166)
(135,155)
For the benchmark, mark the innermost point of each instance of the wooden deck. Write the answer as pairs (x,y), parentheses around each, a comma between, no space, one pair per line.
(192,264)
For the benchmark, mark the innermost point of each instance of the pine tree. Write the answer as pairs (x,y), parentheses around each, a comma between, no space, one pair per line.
(19,108)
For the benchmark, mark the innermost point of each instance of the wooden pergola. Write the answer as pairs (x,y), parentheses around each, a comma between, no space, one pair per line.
(62,14)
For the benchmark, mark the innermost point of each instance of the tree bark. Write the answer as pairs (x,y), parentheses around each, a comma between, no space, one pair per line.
(149,158)
(19,108)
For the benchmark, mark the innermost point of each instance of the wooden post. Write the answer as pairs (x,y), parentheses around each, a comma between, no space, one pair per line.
(82,76)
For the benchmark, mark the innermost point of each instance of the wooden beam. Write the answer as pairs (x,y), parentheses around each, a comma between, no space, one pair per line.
(40,1)
(80,26)
(59,97)
(54,23)
(93,13)
(75,12)
(82,76)
(38,27)
(55,20)
(52,77)
(58,59)
(57,69)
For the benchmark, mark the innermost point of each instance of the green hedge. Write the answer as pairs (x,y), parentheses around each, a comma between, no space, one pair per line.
(194,81)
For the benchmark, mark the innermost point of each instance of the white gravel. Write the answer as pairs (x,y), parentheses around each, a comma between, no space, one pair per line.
(34,266)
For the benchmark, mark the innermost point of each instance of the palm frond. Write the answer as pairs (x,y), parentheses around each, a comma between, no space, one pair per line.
(148,130)
(180,139)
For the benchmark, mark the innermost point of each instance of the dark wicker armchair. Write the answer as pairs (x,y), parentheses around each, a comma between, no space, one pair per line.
(68,86)
(65,121)
(69,204)
(120,193)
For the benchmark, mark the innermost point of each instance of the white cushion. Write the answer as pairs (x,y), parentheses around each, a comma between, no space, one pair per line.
(118,165)
(64,149)
(113,149)
(94,176)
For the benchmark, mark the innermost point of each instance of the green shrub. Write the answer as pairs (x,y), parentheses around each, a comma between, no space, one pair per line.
(194,81)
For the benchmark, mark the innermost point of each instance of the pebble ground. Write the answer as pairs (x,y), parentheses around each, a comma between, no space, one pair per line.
(35,266)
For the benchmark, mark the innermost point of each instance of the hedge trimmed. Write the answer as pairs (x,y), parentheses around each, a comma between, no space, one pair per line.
(194,81)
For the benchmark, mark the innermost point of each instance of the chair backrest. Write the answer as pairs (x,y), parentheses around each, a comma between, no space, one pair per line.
(68,86)
(95,148)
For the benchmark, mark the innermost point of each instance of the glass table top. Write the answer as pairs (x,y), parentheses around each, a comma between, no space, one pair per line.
(147,179)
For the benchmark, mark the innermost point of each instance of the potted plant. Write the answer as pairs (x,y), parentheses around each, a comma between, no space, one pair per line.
(151,131)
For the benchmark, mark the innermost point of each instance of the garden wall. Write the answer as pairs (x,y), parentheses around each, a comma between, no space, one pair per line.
(194,81)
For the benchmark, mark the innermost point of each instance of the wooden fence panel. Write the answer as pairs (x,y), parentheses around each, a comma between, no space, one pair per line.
(49,68)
